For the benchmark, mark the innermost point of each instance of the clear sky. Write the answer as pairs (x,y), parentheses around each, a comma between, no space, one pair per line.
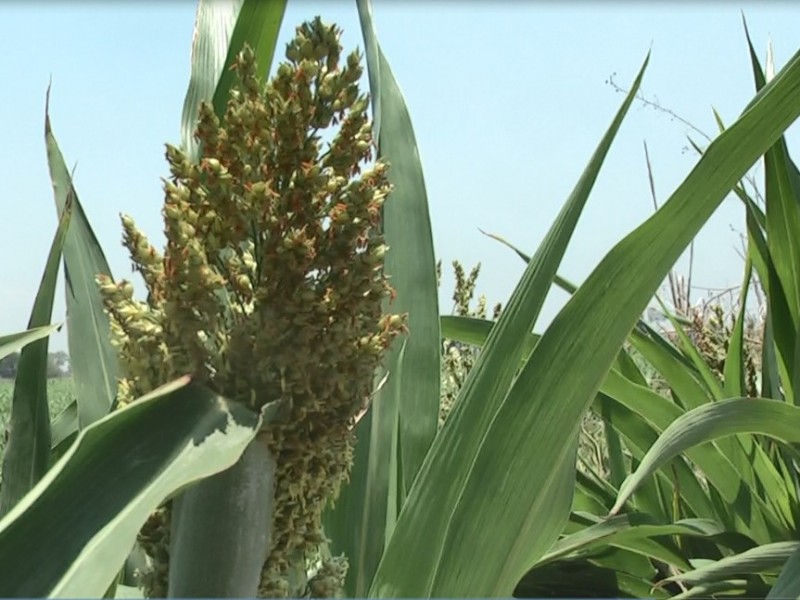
(508,100)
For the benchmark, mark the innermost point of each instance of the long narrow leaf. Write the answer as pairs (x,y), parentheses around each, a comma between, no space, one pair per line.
(27,454)
(448,501)
(410,263)
(16,341)
(717,589)
(757,560)
(639,435)
(558,280)
(221,30)
(70,535)
(711,421)
(692,387)
(782,197)
(540,415)
(654,413)
(475,331)
(65,424)
(93,360)
(627,527)
(788,584)
(396,436)
(734,369)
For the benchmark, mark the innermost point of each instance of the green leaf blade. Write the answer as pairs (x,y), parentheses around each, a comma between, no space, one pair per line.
(755,560)
(123,466)
(27,454)
(711,421)
(476,467)
(788,583)
(221,30)
(544,402)
(410,263)
(14,342)
(396,434)
(93,359)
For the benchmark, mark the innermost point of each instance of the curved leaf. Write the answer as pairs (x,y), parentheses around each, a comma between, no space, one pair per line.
(14,342)
(626,528)
(708,422)
(93,360)
(478,467)
(27,453)
(474,470)
(221,30)
(757,560)
(475,331)
(70,536)
(788,584)
(558,280)
(713,590)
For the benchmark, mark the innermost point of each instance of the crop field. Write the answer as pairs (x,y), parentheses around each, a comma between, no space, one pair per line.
(60,393)
(639,441)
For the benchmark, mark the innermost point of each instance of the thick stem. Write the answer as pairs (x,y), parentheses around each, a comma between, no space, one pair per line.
(221,529)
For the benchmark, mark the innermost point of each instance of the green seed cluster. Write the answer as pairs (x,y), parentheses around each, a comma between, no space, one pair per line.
(458,359)
(154,541)
(271,284)
(326,582)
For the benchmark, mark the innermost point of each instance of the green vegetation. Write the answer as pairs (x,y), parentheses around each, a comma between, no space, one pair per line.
(57,365)
(286,412)
(60,394)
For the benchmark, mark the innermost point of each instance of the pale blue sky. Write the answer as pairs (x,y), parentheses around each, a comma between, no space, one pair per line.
(508,102)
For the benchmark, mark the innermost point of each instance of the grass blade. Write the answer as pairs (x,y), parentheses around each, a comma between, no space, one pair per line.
(410,264)
(396,434)
(14,342)
(65,424)
(678,372)
(475,331)
(757,560)
(707,376)
(735,363)
(92,358)
(754,468)
(558,280)
(788,584)
(718,589)
(711,421)
(459,458)
(468,480)
(639,414)
(758,255)
(627,527)
(782,196)
(123,467)
(639,435)
(220,32)
(27,453)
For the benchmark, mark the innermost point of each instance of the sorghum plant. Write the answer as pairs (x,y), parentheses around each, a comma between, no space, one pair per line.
(271,283)
(460,358)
